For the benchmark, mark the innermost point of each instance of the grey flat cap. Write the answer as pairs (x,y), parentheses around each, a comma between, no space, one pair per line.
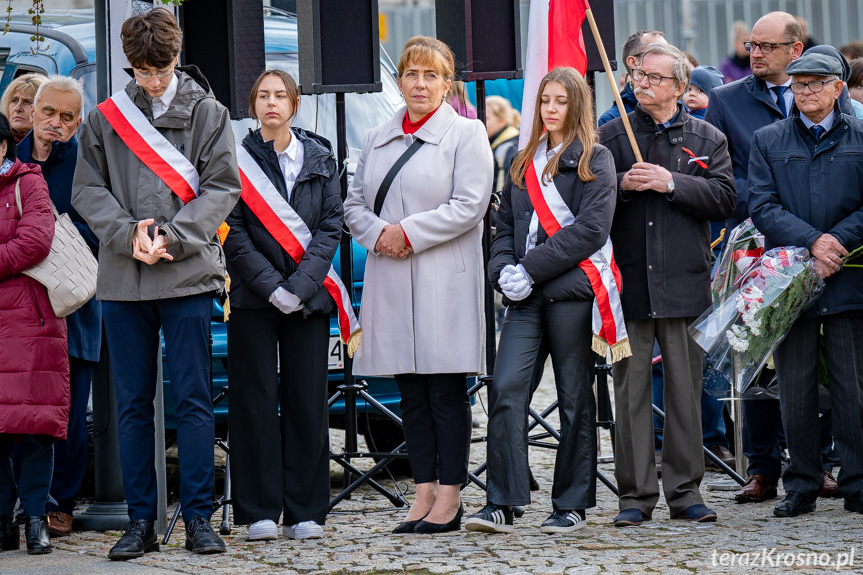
(829,50)
(816,64)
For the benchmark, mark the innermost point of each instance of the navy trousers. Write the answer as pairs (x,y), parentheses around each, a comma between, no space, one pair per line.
(70,455)
(133,342)
(36,458)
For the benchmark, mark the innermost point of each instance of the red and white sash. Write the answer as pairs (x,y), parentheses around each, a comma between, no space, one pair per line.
(150,146)
(609,329)
(292,233)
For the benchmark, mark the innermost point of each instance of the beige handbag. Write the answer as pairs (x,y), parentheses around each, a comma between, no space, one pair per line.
(69,271)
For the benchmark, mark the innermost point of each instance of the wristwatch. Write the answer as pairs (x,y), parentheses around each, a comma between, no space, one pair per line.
(669,187)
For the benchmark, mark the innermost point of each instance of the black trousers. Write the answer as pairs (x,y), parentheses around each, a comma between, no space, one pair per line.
(437,424)
(278,463)
(797,368)
(565,328)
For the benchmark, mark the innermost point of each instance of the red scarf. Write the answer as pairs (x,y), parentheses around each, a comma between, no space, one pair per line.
(411,127)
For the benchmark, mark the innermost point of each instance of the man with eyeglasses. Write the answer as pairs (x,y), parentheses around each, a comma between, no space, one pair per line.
(806,190)
(738,110)
(661,235)
(156,176)
(631,54)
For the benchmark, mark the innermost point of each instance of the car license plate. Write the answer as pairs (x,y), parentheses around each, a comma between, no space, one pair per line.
(336,357)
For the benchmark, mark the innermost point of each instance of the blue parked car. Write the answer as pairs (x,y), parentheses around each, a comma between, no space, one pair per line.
(69,48)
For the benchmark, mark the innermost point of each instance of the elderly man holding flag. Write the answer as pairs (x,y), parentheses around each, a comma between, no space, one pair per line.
(662,238)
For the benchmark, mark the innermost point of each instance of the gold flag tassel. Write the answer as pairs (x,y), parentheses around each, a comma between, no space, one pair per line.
(619,350)
(354,342)
(226,307)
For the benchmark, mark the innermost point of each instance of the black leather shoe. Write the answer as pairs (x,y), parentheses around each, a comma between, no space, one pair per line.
(201,539)
(139,537)
(454,525)
(10,533)
(36,531)
(793,504)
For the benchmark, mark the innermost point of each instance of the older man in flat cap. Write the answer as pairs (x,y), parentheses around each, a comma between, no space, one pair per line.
(806,189)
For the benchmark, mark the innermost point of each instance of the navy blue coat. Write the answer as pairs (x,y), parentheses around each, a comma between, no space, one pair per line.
(739,109)
(85,325)
(800,188)
(629,103)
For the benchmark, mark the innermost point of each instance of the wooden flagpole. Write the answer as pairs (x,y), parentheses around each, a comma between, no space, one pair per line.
(610,74)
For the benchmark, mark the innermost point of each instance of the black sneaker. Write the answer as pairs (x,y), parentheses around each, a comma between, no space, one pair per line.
(139,537)
(563,522)
(491,519)
(201,539)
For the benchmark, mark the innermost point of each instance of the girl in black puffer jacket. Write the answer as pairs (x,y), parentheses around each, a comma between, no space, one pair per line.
(278,302)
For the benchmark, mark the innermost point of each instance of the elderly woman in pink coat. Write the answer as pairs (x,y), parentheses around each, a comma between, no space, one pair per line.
(422,308)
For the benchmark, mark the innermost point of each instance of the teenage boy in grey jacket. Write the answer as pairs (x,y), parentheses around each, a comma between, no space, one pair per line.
(160,262)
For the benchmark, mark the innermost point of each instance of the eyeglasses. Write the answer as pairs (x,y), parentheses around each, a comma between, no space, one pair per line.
(815,86)
(653,79)
(148,75)
(765,47)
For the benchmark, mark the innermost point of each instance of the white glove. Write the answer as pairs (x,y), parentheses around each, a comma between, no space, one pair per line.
(505,275)
(518,284)
(285,301)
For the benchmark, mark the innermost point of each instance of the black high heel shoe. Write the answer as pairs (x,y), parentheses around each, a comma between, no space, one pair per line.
(408,526)
(10,533)
(454,525)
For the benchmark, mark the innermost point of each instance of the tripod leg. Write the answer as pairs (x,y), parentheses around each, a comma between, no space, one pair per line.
(607,482)
(365,478)
(728,471)
(172,524)
(225,527)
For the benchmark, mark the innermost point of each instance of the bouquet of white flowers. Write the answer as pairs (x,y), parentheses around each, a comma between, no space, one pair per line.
(740,332)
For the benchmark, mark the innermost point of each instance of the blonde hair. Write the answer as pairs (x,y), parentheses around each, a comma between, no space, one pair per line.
(579,124)
(499,107)
(424,50)
(30,81)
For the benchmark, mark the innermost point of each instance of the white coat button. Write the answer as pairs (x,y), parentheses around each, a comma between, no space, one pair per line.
(650,267)
(649,223)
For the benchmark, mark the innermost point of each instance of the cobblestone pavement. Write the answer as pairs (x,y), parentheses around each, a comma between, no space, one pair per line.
(358,538)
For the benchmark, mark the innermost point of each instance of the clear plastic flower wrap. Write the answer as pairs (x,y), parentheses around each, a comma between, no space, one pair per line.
(744,246)
(742,330)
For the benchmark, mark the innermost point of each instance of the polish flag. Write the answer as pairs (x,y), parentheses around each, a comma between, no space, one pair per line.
(554,39)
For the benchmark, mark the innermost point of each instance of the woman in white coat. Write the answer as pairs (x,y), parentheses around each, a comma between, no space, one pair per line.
(422,312)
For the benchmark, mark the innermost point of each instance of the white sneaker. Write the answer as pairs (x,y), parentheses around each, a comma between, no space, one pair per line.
(263,530)
(304,530)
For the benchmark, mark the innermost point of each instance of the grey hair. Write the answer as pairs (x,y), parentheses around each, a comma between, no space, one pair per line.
(681,69)
(61,84)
